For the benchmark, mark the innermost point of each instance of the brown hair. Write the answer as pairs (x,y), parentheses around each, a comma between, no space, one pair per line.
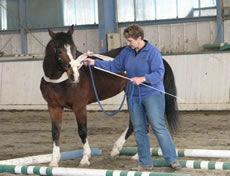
(134,31)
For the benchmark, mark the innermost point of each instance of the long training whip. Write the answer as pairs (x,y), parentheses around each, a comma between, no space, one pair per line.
(124,77)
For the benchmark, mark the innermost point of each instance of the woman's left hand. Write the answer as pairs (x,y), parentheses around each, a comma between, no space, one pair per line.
(137,80)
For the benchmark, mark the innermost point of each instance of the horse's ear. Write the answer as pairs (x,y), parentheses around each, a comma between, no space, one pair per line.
(71,30)
(51,33)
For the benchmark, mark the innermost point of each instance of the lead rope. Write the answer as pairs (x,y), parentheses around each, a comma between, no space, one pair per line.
(98,100)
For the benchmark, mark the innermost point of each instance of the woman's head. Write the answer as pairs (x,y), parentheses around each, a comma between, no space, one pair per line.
(133,31)
(134,35)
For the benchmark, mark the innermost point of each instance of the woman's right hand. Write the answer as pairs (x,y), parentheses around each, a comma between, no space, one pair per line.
(88,61)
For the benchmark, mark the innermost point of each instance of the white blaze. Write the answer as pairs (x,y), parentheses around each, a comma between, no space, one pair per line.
(75,64)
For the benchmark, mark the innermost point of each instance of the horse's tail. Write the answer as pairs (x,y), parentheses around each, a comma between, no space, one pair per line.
(171,108)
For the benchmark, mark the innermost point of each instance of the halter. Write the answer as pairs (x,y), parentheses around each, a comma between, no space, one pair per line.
(60,61)
(74,64)
(63,77)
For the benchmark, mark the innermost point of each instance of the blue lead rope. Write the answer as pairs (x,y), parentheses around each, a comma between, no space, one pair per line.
(98,100)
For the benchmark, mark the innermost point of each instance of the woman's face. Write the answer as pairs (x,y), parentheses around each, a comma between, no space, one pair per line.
(133,43)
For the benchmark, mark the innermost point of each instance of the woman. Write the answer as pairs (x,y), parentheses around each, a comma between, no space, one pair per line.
(143,63)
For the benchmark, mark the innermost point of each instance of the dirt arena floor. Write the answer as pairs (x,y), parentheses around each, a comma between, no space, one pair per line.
(27,133)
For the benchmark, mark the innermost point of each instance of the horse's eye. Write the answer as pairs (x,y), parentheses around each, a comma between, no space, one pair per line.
(59,52)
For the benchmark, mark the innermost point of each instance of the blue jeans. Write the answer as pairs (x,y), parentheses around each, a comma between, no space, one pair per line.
(153,108)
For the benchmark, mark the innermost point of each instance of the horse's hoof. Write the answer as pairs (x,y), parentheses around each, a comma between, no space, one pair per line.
(114,157)
(85,161)
(135,157)
(84,164)
(114,153)
(53,165)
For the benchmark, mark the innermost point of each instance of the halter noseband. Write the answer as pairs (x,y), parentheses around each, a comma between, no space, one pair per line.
(63,65)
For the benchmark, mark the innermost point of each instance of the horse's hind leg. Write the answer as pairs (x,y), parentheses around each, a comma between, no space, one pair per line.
(82,131)
(121,140)
(56,118)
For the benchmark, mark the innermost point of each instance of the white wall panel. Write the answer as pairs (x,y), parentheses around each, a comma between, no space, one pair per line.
(177,38)
(202,79)
(10,43)
(1,77)
(203,33)
(152,34)
(37,42)
(20,83)
(92,39)
(165,41)
(180,38)
(213,32)
(190,37)
(80,39)
(226,31)
(86,40)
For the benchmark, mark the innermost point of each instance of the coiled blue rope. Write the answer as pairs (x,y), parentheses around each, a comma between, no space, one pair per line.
(98,100)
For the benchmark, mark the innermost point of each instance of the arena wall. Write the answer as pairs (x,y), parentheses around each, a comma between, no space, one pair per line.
(202,82)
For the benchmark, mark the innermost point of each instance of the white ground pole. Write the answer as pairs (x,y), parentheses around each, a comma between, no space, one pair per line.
(59,171)
(46,158)
(202,153)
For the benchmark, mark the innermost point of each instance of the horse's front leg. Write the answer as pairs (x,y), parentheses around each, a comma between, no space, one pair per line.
(56,119)
(121,140)
(82,131)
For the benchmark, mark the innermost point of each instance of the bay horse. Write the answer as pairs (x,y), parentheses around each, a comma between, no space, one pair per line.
(66,84)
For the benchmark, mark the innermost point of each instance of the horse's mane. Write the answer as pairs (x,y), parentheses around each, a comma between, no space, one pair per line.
(49,49)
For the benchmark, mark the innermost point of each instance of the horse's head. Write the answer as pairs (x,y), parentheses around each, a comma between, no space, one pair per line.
(65,52)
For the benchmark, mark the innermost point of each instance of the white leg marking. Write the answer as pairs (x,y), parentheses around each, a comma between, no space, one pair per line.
(86,154)
(136,157)
(74,64)
(118,144)
(56,156)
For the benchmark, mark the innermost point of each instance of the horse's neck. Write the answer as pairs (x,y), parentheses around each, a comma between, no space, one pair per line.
(51,67)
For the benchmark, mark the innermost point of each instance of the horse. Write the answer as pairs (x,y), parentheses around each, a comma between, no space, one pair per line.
(67,84)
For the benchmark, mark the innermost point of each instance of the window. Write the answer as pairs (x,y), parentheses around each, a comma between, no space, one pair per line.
(166,9)
(3,15)
(55,13)
(80,12)
(146,10)
(125,10)
(185,8)
(203,8)
(140,10)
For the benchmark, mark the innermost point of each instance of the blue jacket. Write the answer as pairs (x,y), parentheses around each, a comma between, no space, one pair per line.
(148,63)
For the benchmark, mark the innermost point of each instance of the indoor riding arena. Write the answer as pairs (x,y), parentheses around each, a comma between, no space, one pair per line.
(51,122)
